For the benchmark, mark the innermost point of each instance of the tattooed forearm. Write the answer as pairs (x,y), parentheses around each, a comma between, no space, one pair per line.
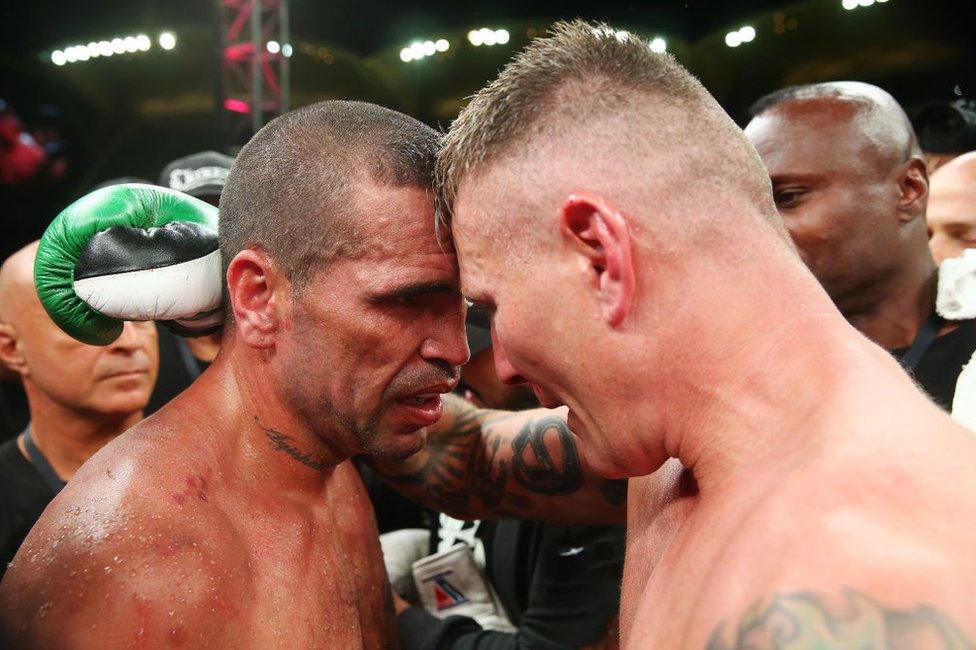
(532,464)
(809,620)
(283,442)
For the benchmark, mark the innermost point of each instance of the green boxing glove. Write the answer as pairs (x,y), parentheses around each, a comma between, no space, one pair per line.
(131,252)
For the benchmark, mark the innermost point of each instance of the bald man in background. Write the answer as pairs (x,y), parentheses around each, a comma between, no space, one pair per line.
(952,208)
(80,397)
(850,183)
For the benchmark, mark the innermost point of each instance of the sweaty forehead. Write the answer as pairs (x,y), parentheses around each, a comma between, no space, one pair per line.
(812,137)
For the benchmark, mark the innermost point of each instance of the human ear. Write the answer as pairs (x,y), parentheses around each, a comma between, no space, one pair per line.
(914,190)
(11,358)
(256,288)
(599,232)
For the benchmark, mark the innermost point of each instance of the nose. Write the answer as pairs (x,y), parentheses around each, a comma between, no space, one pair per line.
(448,342)
(503,367)
(132,338)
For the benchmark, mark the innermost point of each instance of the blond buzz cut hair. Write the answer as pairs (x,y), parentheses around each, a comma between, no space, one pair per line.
(572,80)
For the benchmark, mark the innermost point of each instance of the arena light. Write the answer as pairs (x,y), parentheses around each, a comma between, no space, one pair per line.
(287,50)
(732,39)
(865,3)
(658,45)
(486,36)
(273,47)
(422,49)
(167,40)
(747,34)
(105,48)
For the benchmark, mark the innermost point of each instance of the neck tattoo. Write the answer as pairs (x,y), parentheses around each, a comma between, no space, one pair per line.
(283,442)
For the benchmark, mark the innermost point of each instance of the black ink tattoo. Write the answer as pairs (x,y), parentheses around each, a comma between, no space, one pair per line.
(614,490)
(804,620)
(283,442)
(539,472)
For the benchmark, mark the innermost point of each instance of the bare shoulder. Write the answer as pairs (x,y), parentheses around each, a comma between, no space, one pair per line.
(842,618)
(132,553)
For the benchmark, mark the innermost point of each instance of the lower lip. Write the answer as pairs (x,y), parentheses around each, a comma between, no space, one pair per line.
(127,375)
(424,414)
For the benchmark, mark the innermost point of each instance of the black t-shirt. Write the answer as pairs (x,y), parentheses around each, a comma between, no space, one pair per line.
(177,370)
(23,497)
(939,367)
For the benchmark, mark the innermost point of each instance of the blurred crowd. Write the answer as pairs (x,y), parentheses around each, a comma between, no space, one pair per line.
(896,263)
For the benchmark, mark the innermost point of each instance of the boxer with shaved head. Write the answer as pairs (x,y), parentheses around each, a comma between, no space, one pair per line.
(234,517)
(814,497)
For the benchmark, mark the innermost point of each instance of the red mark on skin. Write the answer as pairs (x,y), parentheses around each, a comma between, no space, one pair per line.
(177,636)
(196,486)
(172,545)
(142,620)
(224,607)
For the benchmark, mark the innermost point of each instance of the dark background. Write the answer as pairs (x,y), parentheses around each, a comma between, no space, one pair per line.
(131,114)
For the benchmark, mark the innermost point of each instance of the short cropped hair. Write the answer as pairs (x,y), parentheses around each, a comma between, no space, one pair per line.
(292,188)
(580,72)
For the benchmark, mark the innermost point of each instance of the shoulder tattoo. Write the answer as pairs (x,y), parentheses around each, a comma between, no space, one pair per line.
(808,620)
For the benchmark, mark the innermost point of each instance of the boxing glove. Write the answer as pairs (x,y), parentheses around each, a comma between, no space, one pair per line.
(131,252)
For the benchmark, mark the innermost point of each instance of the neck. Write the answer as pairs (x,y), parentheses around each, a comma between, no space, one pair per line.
(68,438)
(897,309)
(266,441)
(762,382)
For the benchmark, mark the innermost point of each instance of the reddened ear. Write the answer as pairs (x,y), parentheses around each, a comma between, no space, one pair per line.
(914,188)
(255,286)
(11,357)
(599,233)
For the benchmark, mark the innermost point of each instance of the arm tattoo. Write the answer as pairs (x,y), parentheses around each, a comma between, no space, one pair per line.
(804,620)
(533,466)
(614,490)
(470,460)
(283,442)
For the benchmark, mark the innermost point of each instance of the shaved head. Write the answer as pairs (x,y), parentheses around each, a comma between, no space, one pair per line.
(851,185)
(18,300)
(952,208)
(880,119)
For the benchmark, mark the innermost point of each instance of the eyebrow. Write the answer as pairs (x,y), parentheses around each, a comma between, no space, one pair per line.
(787,178)
(417,289)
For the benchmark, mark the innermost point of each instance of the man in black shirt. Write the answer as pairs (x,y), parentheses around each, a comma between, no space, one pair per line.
(851,185)
(80,397)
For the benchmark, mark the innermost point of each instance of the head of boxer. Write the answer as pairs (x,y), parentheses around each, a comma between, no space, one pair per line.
(345,307)
(851,185)
(73,389)
(622,192)
(952,208)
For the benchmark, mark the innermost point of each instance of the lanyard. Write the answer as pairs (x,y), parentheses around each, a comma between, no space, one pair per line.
(921,343)
(41,465)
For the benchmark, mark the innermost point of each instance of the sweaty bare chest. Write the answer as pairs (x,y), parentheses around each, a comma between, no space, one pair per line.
(319,580)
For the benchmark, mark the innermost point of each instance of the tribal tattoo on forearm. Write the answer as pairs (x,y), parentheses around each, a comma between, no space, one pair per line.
(474,460)
(805,620)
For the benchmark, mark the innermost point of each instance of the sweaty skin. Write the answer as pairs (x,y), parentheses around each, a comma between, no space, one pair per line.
(226,520)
